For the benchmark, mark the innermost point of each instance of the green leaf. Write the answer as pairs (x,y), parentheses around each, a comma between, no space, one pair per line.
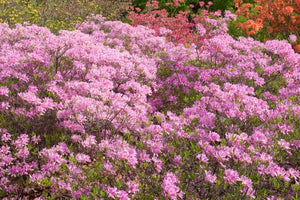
(119,183)
(276,183)
(94,191)
(35,76)
(296,187)
(46,182)
(84,197)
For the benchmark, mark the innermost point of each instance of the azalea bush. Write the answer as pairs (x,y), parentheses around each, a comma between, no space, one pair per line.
(114,111)
(185,27)
(270,19)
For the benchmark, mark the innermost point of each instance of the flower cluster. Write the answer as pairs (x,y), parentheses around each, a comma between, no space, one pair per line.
(276,16)
(114,111)
(180,29)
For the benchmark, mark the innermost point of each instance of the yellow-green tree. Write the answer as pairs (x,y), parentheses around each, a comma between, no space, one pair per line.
(59,14)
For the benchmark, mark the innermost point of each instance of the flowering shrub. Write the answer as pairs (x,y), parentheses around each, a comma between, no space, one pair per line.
(231,104)
(114,111)
(184,27)
(275,17)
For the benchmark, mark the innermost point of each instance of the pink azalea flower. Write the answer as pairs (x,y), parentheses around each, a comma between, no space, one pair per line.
(209,177)
(112,191)
(231,176)
(293,38)
(82,158)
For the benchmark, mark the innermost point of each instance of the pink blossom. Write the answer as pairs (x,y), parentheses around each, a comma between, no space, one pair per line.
(5,136)
(122,195)
(133,187)
(169,186)
(76,138)
(158,164)
(284,144)
(108,167)
(89,141)
(209,177)
(82,158)
(246,181)
(203,157)
(4,91)
(177,159)
(35,139)
(293,38)
(112,191)
(231,176)
(214,136)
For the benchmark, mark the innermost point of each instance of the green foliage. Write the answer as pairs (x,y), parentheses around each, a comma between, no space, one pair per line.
(221,5)
(46,182)
(13,12)
(217,5)
(59,14)
(233,30)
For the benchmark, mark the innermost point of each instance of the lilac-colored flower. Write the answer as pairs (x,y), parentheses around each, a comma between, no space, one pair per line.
(122,195)
(82,158)
(201,30)
(133,187)
(35,139)
(203,157)
(177,159)
(158,163)
(209,177)
(112,191)
(213,136)
(169,186)
(293,38)
(231,176)
(246,181)
(76,138)
(4,91)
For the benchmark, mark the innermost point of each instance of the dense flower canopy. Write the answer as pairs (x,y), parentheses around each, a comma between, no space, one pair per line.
(116,111)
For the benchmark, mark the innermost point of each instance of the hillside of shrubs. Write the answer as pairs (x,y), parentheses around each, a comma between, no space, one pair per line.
(149,100)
